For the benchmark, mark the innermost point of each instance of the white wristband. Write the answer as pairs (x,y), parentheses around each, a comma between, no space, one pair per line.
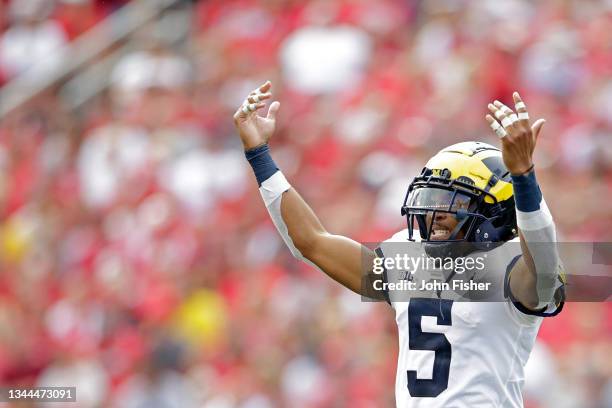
(534,220)
(274,187)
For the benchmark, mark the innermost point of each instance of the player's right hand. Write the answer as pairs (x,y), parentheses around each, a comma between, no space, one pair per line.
(256,130)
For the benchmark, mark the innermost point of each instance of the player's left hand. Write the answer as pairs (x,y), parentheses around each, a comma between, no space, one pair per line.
(518,136)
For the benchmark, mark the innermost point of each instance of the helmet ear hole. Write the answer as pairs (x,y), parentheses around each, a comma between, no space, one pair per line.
(486,232)
(493,230)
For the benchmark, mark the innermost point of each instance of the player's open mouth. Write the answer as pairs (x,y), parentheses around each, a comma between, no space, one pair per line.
(439,233)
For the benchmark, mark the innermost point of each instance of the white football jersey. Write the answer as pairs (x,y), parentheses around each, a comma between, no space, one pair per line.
(463,354)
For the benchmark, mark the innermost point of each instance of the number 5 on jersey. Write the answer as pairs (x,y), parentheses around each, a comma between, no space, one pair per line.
(436,342)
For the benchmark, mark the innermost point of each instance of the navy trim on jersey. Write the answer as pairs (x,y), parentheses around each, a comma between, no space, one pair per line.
(521,308)
(260,160)
(385,278)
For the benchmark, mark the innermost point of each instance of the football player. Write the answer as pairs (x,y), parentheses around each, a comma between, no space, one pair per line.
(452,354)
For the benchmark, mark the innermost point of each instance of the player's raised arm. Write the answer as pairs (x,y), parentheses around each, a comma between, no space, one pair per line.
(534,278)
(337,256)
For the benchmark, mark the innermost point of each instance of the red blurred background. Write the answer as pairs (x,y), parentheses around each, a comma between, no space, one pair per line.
(137,261)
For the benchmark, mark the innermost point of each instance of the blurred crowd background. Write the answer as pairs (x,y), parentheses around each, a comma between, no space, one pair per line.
(137,261)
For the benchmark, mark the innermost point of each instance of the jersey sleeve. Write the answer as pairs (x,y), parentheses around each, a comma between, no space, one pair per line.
(552,309)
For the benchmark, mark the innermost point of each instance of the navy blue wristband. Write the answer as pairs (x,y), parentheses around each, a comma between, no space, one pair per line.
(527,194)
(260,160)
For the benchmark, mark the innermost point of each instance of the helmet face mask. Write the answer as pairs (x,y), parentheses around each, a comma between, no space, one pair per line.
(429,196)
(479,216)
